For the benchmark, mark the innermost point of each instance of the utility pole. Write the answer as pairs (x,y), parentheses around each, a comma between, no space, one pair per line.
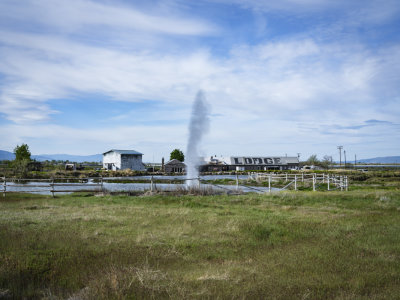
(340,154)
(298,159)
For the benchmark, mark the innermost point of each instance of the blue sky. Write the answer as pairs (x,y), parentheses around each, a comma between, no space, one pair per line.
(281,77)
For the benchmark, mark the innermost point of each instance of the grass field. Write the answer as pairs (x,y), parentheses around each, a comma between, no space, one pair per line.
(289,245)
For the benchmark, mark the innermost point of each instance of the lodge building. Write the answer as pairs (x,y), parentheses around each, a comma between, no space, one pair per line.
(245,163)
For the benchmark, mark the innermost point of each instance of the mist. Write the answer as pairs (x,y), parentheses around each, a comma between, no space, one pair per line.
(198,127)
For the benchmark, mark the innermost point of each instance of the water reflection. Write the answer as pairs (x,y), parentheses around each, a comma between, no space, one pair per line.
(45,187)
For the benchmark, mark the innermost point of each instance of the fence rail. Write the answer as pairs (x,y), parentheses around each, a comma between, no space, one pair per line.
(294,181)
(49,185)
(331,181)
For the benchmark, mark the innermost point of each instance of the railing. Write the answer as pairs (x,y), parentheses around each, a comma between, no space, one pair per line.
(289,180)
(326,181)
(50,185)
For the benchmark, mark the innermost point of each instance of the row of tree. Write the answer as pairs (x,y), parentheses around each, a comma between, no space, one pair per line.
(23,158)
(324,163)
(312,160)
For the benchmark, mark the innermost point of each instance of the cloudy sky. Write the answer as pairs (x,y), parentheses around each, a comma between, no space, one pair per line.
(281,77)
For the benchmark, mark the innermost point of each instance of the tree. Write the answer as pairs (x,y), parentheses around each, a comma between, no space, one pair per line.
(177,154)
(313,160)
(326,161)
(22,153)
(22,159)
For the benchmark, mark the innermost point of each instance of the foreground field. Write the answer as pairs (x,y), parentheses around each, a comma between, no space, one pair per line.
(290,245)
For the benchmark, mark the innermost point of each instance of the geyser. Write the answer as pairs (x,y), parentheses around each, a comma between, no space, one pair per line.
(198,126)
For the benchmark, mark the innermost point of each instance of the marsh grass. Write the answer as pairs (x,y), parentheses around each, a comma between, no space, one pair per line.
(304,245)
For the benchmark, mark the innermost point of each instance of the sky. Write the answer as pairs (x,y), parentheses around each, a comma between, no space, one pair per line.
(280,77)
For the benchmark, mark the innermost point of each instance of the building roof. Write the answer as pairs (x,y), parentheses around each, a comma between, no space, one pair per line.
(291,159)
(124,152)
(174,162)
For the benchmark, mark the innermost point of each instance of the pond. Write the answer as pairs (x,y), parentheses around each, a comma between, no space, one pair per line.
(178,177)
(45,187)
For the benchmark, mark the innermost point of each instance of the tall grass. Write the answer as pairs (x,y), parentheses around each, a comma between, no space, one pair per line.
(282,246)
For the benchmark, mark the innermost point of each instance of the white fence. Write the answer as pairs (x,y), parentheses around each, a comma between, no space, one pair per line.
(66,185)
(266,182)
(316,180)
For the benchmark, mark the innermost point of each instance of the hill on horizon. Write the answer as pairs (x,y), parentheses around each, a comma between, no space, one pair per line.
(6,155)
(381,160)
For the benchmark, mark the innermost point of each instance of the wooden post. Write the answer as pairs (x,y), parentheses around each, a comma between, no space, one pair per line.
(198,182)
(314,179)
(102,186)
(52,187)
(302,177)
(286,178)
(347,183)
(328,182)
(237,181)
(323,178)
(5,187)
(269,183)
(341,183)
(295,182)
(151,184)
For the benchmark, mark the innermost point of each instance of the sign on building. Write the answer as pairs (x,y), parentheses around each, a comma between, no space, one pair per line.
(257,161)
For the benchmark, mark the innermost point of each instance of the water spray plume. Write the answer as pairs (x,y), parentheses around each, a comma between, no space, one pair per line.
(198,127)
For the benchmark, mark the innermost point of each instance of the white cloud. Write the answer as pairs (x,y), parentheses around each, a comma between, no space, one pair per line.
(292,76)
(366,11)
(266,92)
(77,15)
(69,140)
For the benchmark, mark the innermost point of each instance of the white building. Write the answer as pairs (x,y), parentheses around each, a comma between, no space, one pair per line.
(265,163)
(123,159)
(241,163)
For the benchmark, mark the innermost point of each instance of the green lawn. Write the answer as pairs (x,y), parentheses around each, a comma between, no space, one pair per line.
(289,245)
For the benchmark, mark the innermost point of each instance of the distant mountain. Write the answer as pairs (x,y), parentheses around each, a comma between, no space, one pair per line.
(381,160)
(5,155)
(72,158)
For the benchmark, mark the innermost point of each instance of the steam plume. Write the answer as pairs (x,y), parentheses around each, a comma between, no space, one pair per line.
(199,124)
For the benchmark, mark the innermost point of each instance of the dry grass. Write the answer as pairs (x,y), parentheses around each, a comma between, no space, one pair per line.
(280,246)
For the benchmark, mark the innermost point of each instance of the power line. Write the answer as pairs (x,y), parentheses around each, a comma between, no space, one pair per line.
(340,155)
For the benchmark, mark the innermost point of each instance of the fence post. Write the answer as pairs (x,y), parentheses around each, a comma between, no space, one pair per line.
(286,178)
(328,182)
(151,184)
(102,186)
(237,181)
(347,183)
(302,177)
(52,187)
(314,179)
(295,182)
(323,178)
(341,183)
(5,187)
(269,183)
